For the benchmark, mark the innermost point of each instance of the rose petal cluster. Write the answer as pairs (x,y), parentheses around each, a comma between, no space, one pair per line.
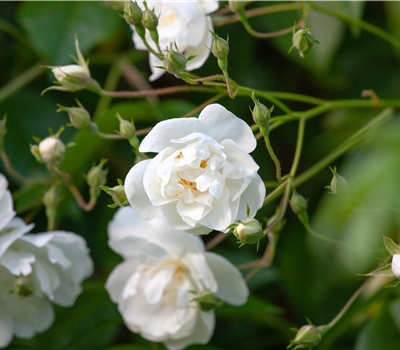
(162,272)
(183,22)
(203,177)
(34,270)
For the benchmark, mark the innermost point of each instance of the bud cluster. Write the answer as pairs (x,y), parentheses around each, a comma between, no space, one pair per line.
(261,114)
(78,116)
(307,337)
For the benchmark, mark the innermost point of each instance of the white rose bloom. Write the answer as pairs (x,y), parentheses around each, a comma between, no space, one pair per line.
(185,22)
(396,265)
(152,286)
(203,177)
(35,268)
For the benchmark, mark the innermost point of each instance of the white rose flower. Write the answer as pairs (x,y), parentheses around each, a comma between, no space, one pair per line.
(396,265)
(203,177)
(152,287)
(184,22)
(35,268)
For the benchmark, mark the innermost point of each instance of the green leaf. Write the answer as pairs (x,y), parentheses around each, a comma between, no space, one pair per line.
(382,271)
(393,284)
(391,247)
(127,347)
(51,26)
(191,57)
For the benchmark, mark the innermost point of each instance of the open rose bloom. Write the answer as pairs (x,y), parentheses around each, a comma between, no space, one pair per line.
(186,23)
(34,270)
(202,178)
(162,267)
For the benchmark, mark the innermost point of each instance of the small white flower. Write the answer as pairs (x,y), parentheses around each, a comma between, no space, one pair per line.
(396,265)
(184,22)
(203,177)
(35,268)
(152,287)
(51,149)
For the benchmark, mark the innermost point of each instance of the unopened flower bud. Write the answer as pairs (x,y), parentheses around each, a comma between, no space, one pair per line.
(396,265)
(307,337)
(78,116)
(220,47)
(298,203)
(132,13)
(249,231)
(50,151)
(303,41)
(23,286)
(175,62)
(51,199)
(118,195)
(150,20)
(97,177)
(339,184)
(72,77)
(261,114)
(126,128)
(206,300)
(236,6)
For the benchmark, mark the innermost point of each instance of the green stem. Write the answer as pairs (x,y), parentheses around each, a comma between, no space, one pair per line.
(242,16)
(229,84)
(343,148)
(20,81)
(265,132)
(359,23)
(221,21)
(299,147)
(346,306)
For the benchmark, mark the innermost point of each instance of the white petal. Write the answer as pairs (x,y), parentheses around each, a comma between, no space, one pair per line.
(47,277)
(118,278)
(201,50)
(6,328)
(127,247)
(210,6)
(136,193)
(15,229)
(253,196)
(201,334)
(172,216)
(197,231)
(6,204)
(232,288)
(396,265)
(221,215)
(221,124)
(200,271)
(155,72)
(18,262)
(31,315)
(154,289)
(161,135)
(237,157)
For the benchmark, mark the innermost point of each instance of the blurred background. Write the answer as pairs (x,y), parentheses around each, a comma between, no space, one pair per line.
(310,277)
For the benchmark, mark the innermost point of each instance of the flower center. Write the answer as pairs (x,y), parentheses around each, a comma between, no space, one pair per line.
(192,184)
(167,20)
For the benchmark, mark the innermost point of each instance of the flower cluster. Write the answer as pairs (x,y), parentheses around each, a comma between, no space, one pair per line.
(185,23)
(165,275)
(202,179)
(34,270)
